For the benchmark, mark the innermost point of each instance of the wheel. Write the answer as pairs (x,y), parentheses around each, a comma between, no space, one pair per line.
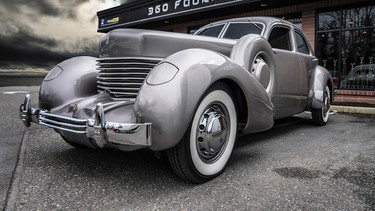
(73,144)
(255,54)
(262,71)
(320,116)
(207,145)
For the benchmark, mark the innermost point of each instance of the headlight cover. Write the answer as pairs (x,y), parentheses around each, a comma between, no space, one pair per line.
(54,73)
(161,74)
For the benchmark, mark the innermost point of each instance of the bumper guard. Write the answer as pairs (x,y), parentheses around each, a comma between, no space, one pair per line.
(96,128)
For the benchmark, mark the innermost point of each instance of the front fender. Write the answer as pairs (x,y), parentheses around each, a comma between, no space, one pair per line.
(170,106)
(319,79)
(71,79)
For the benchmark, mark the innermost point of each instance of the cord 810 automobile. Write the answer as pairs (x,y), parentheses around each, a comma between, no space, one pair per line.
(188,95)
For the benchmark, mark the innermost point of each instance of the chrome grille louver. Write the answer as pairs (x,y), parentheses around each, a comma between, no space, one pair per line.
(123,77)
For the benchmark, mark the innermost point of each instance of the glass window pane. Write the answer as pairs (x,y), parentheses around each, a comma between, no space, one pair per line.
(329,20)
(359,17)
(301,44)
(238,30)
(212,31)
(279,38)
(328,53)
(358,53)
(351,62)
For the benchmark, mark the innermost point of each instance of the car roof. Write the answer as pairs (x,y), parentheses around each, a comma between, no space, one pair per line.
(263,19)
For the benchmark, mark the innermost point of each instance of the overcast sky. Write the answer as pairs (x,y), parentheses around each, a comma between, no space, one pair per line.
(41,33)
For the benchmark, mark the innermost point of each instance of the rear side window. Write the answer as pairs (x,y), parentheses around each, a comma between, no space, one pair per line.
(212,31)
(280,38)
(238,30)
(301,44)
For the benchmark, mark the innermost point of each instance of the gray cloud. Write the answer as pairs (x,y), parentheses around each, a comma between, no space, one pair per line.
(44,32)
(26,49)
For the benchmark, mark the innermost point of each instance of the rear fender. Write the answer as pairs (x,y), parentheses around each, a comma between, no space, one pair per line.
(319,79)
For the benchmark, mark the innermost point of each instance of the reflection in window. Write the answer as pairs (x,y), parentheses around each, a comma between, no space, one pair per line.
(279,38)
(346,46)
(301,44)
(212,31)
(238,30)
(329,20)
(358,17)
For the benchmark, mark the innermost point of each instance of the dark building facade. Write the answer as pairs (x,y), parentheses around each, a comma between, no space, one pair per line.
(342,32)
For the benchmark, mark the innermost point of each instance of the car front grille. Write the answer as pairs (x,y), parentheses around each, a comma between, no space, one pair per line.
(123,77)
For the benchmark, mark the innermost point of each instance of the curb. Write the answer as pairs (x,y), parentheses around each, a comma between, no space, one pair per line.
(10,203)
(353,110)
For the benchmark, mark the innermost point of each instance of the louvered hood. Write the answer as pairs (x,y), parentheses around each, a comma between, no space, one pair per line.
(157,44)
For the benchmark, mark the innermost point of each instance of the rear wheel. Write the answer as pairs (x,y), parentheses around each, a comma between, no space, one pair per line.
(320,116)
(205,149)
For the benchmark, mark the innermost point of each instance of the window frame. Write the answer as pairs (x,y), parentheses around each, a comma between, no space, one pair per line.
(299,32)
(242,22)
(211,26)
(291,36)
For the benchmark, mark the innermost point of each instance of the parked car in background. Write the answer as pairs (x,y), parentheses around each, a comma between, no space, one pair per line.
(360,77)
(187,95)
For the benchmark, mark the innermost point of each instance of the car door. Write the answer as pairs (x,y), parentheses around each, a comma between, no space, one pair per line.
(288,76)
(307,62)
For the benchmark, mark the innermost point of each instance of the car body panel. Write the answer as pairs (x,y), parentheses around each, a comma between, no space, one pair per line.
(188,66)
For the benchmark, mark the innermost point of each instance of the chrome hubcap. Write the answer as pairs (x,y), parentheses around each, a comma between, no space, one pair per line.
(212,133)
(261,70)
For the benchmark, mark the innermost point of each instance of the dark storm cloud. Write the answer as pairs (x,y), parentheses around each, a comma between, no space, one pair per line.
(45,7)
(25,48)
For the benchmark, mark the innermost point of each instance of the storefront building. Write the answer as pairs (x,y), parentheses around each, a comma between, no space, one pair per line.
(342,32)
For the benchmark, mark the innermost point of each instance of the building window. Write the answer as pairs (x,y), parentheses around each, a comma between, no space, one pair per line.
(346,46)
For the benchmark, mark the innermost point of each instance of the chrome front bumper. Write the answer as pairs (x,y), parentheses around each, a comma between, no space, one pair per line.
(96,128)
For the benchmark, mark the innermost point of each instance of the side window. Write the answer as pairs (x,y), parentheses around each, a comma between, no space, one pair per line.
(238,30)
(212,31)
(279,38)
(301,44)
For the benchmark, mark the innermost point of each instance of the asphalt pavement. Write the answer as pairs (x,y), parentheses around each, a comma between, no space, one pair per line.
(294,166)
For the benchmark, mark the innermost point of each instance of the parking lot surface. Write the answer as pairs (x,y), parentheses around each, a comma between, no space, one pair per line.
(295,165)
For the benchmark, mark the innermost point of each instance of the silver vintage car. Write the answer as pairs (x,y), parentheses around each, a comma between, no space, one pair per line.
(187,95)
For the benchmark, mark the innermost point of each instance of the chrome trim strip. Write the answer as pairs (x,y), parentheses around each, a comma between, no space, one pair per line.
(96,128)
(79,121)
(64,129)
(45,120)
(132,58)
(118,84)
(122,77)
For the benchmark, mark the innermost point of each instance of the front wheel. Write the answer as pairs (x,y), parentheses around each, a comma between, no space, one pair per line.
(320,116)
(205,149)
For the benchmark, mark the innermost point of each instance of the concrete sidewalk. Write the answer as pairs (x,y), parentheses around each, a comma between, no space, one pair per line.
(353,109)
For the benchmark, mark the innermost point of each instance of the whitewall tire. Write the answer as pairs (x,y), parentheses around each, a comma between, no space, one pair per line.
(204,151)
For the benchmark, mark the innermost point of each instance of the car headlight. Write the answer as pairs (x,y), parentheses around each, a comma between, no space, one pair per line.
(162,73)
(54,73)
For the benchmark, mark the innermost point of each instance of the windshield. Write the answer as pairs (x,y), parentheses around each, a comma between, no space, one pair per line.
(238,30)
(233,31)
(213,31)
